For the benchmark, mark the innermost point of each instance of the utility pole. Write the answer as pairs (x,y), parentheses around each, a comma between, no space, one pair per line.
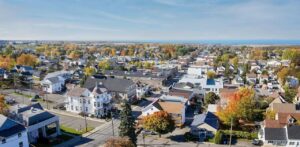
(84,113)
(144,139)
(230,132)
(112,123)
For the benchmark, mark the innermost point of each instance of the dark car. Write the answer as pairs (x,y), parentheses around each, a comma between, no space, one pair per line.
(257,142)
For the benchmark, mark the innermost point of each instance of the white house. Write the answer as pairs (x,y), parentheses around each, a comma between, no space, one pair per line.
(53,84)
(211,85)
(38,123)
(195,70)
(96,102)
(12,134)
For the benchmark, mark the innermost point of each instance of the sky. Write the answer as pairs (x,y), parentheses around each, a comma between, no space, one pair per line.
(149,19)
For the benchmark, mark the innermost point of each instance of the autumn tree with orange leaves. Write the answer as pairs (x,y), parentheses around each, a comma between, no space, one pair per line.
(240,107)
(3,106)
(160,122)
(7,62)
(27,59)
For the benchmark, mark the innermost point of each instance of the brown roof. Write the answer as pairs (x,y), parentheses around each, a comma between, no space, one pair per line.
(183,93)
(226,93)
(251,75)
(77,91)
(283,117)
(273,124)
(283,107)
(171,107)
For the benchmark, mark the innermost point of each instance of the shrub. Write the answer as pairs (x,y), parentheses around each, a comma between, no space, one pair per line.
(218,137)
(241,134)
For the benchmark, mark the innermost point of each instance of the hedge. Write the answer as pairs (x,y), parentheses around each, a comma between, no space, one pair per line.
(241,134)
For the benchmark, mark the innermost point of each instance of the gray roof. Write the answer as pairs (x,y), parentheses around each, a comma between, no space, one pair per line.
(36,116)
(208,118)
(9,127)
(111,84)
(25,108)
(275,134)
(293,132)
(53,80)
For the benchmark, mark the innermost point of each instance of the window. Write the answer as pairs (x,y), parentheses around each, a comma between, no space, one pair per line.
(89,101)
(84,101)
(76,108)
(71,107)
(86,109)
(20,144)
(95,104)
(98,104)
(3,141)
(292,143)
(270,141)
(80,100)
(19,135)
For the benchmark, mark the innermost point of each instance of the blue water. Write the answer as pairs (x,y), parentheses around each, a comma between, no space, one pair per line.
(230,42)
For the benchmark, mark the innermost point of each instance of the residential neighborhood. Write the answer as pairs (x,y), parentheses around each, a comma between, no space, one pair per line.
(149,73)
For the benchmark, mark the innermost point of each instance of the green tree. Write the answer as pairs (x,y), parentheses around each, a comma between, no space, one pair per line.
(290,94)
(127,124)
(211,98)
(270,114)
(160,122)
(211,74)
(218,137)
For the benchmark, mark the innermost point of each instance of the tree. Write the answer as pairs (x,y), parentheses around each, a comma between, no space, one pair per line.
(239,107)
(3,106)
(74,54)
(211,74)
(113,52)
(127,124)
(218,137)
(104,65)
(211,98)
(119,142)
(289,94)
(88,71)
(27,59)
(7,62)
(160,122)
(270,114)
(282,74)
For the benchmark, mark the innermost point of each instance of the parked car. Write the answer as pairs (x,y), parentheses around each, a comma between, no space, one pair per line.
(257,142)
(10,101)
(146,132)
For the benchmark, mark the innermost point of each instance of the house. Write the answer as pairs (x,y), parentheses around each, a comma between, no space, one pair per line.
(188,95)
(211,85)
(12,134)
(119,88)
(195,70)
(53,84)
(226,94)
(283,131)
(96,102)
(175,109)
(204,125)
(141,90)
(220,70)
(26,69)
(251,78)
(283,108)
(38,122)
(273,63)
(238,80)
(263,79)
(292,81)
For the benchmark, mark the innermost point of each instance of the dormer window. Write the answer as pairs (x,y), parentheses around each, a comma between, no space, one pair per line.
(291,120)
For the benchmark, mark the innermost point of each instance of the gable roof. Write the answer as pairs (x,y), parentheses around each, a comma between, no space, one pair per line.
(53,80)
(178,92)
(172,107)
(275,134)
(9,127)
(112,84)
(293,132)
(283,107)
(208,118)
(77,91)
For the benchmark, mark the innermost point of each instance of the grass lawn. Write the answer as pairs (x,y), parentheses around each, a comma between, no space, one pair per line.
(55,141)
(74,131)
